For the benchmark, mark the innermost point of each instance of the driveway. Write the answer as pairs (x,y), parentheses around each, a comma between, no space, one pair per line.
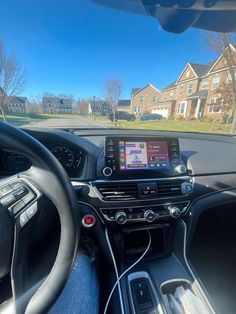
(72,122)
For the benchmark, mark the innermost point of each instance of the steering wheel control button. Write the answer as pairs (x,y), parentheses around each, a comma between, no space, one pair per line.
(88,221)
(15,185)
(23,220)
(31,211)
(20,192)
(4,190)
(8,200)
(17,207)
(121,218)
(28,198)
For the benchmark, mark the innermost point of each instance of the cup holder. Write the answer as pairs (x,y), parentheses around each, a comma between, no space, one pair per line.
(179,296)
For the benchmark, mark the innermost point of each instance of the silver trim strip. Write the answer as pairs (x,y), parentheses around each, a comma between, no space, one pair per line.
(95,189)
(134,180)
(196,282)
(140,275)
(143,219)
(116,271)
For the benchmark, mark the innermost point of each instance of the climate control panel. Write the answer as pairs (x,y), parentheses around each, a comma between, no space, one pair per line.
(144,213)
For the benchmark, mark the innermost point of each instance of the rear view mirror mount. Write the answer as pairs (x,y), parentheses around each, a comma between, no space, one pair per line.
(176,16)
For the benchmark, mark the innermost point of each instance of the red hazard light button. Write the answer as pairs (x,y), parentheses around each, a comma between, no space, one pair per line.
(88,221)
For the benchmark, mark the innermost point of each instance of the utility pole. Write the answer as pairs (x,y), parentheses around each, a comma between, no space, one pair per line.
(94,117)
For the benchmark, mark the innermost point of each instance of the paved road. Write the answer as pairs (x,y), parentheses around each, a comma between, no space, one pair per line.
(72,122)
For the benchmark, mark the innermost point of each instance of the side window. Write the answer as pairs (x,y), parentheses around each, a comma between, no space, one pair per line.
(181,108)
(215,82)
(204,84)
(190,88)
(181,90)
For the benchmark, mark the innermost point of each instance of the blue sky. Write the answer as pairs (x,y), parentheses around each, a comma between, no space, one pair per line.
(71,46)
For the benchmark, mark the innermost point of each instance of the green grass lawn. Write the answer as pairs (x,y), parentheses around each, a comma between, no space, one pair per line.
(98,118)
(15,116)
(178,125)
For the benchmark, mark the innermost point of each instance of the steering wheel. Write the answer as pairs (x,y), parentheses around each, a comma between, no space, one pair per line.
(19,200)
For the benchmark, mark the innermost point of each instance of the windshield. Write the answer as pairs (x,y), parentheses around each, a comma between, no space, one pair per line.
(78,64)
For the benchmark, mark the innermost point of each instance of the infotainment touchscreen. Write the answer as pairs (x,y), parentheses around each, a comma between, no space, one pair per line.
(143,155)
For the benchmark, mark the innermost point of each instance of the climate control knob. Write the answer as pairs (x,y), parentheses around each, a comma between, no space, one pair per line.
(174,211)
(180,169)
(149,215)
(121,218)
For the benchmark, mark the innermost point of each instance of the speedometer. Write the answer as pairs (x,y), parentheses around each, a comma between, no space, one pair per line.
(64,155)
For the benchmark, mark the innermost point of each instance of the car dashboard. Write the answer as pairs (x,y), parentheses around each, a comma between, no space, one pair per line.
(135,196)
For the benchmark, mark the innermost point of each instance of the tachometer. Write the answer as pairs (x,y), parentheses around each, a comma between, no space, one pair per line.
(64,155)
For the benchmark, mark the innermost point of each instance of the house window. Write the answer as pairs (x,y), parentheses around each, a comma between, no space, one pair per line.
(215,82)
(154,98)
(214,109)
(229,78)
(164,96)
(181,90)
(181,108)
(204,84)
(215,105)
(171,94)
(141,98)
(187,73)
(190,88)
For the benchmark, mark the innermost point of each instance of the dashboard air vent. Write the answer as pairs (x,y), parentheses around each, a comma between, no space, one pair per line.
(118,191)
(169,188)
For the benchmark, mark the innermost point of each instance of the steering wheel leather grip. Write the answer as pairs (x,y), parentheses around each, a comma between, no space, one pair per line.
(48,177)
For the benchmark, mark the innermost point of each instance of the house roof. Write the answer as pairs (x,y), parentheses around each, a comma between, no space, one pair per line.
(49,98)
(170,86)
(124,103)
(140,89)
(57,100)
(135,90)
(199,69)
(13,99)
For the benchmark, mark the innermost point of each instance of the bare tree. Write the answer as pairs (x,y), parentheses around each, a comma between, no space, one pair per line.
(12,77)
(35,105)
(65,96)
(221,43)
(112,92)
(82,107)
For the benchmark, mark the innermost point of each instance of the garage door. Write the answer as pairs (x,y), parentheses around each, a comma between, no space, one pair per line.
(161,110)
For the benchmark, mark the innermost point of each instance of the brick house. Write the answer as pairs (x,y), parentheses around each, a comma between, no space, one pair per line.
(195,93)
(17,104)
(100,108)
(124,105)
(167,102)
(143,99)
(52,104)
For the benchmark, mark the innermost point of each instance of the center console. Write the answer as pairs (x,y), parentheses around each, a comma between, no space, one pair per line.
(142,190)
(142,180)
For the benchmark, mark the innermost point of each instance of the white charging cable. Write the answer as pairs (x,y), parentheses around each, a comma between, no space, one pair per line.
(127,270)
